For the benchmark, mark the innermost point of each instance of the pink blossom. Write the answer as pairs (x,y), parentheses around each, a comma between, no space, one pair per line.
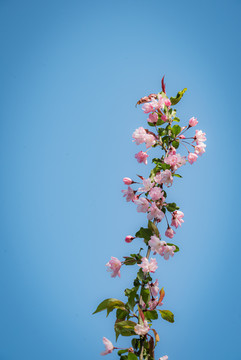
(168,251)
(165,357)
(172,151)
(129,238)
(147,185)
(200,148)
(192,157)
(182,136)
(175,161)
(164,118)
(153,304)
(158,103)
(129,194)
(114,265)
(193,121)
(148,107)
(167,102)
(154,288)
(154,212)
(142,329)
(108,346)
(128,181)
(156,244)
(177,218)
(148,266)
(170,233)
(156,193)
(142,157)
(199,136)
(139,135)
(150,140)
(143,204)
(164,177)
(153,118)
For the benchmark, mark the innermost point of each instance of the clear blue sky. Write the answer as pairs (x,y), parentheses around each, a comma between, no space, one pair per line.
(71,73)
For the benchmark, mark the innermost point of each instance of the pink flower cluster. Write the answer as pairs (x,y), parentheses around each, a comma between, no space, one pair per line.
(161,247)
(141,136)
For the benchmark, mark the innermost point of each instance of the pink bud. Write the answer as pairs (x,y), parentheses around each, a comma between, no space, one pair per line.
(128,181)
(193,121)
(129,238)
(182,137)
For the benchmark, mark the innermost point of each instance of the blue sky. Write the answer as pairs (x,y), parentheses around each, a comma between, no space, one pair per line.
(71,73)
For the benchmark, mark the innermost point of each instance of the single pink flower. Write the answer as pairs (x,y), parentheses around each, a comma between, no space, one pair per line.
(139,135)
(153,118)
(192,157)
(170,233)
(155,213)
(167,102)
(142,329)
(129,194)
(143,204)
(168,251)
(199,136)
(165,357)
(150,140)
(127,181)
(193,121)
(177,218)
(164,177)
(153,304)
(147,185)
(164,118)
(155,243)
(108,346)
(129,238)
(200,148)
(114,265)
(175,161)
(156,193)
(154,288)
(142,157)
(148,266)
(148,107)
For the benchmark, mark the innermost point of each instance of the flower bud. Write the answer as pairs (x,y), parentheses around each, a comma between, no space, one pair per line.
(127,181)
(129,238)
(193,121)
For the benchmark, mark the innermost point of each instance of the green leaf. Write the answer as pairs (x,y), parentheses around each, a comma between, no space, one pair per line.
(172,207)
(177,175)
(120,352)
(151,315)
(140,275)
(110,305)
(145,293)
(153,228)
(167,315)
(175,100)
(125,328)
(150,124)
(176,129)
(132,356)
(176,119)
(175,144)
(121,314)
(129,260)
(135,343)
(177,248)
(131,294)
(144,233)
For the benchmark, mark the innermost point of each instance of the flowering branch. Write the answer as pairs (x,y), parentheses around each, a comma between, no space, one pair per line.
(145,298)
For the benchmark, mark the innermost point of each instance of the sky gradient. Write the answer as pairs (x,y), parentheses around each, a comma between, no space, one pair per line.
(71,73)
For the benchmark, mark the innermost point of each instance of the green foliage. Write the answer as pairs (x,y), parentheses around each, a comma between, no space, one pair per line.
(153,228)
(172,207)
(167,315)
(151,315)
(132,356)
(177,175)
(144,233)
(110,305)
(176,129)
(121,314)
(175,144)
(177,98)
(145,293)
(120,352)
(124,328)
(131,294)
